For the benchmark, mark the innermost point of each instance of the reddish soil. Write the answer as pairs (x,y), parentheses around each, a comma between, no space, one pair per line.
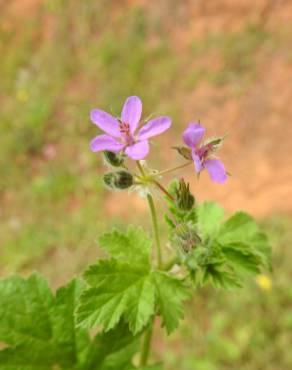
(258,150)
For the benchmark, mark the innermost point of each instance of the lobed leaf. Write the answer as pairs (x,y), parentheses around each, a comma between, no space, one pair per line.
(210,216)
(170,293)
(132,246)
(38,331)
(241,232)
(117,289)
(120,290)
(38,327)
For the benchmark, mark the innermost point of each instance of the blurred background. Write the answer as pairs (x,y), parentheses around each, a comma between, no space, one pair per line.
(225,62)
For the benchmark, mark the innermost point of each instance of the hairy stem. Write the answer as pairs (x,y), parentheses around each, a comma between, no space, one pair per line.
(141,169)
(163,189)
(154,219)
(146,343)
(174,168)
(155,229)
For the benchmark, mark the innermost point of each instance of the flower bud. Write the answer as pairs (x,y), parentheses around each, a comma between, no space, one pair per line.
(186,237)
(114,159)
(118,180)
(184,199)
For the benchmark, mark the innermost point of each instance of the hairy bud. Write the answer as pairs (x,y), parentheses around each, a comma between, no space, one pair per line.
(114,159)
(184,199)
(118,180)
(186,237)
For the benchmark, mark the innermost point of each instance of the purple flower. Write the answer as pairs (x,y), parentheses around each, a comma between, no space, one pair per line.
(123,134)
(202,152)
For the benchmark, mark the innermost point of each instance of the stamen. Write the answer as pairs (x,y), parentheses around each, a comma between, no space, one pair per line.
(124,128)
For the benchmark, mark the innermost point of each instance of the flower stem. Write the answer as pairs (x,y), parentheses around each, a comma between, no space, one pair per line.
(162,188)
(174,168)
(154,218)
(146,343)
(141,169)
(155,229)
(145,349)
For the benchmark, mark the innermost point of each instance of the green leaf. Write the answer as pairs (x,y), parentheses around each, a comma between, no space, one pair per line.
(38,331)
(117,289)
(132,246)
(112,350)
(19,324)
(170,293)
(227,250)
(240,227)
(242,258)
(38,326)
(242,233)
(220,278)
(209,216)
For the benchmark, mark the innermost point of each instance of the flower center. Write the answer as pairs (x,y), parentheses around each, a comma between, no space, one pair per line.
(204,151)
(124,128)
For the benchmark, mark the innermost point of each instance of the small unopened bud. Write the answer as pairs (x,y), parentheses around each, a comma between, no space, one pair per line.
(186,237)
(118,180)
(114,159)
(184,199)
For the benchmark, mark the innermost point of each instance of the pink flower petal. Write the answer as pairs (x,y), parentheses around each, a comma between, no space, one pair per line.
(193,134)
(216,170)
(131,112)
(105,122)
(138,150)
(154,127)
(197,162)
(105,142)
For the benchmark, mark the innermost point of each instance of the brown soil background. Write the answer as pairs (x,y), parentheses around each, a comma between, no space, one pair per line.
(258,150)
(259,122)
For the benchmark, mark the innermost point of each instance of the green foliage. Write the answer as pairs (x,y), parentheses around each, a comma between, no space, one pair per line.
(117,289)
(132,246)
(209,217)
(112,350)
(39,333)
(126,287)
(240,233)
(37,325)
(170,293)
(215,251)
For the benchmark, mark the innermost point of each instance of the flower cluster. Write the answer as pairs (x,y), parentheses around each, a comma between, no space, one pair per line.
(126,135)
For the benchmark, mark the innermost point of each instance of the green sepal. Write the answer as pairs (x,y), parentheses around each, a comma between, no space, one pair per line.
(118,180)
(114,159)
